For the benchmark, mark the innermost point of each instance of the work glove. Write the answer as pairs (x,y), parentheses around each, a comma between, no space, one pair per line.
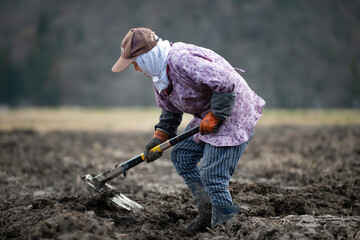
(159,137)
(209,123)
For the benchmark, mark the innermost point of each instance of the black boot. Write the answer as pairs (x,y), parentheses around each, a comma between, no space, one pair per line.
(221,214)
(202,202)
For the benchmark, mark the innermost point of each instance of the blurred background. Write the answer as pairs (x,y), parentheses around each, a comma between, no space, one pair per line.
(297,54)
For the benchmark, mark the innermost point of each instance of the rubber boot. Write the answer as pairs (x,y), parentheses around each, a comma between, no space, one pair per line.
(202,202)
(222,214)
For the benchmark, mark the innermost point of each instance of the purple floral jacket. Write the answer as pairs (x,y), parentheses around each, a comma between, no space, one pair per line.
(196,73)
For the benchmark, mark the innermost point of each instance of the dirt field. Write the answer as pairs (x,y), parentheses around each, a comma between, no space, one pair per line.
(293,182)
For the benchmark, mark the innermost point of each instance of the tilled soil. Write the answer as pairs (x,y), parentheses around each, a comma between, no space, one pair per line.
(293,182)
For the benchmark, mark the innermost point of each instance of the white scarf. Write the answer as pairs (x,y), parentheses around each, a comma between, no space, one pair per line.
(154,63)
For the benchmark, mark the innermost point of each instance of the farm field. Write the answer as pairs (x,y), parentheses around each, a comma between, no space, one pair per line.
(299,178)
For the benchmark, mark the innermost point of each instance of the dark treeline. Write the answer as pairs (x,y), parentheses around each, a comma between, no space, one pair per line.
(295,53)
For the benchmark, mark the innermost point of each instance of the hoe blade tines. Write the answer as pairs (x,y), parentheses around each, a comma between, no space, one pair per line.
(90,180)
(122,201)
(119,200)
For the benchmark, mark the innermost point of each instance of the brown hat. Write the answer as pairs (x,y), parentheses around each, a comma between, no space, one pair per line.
(136,42)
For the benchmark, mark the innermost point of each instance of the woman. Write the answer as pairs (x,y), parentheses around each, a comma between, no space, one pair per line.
(196,80)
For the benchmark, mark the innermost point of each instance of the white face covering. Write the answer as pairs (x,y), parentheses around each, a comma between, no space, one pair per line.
(154,63)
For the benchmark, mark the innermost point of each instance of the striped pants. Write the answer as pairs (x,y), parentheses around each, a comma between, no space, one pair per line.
(216,168)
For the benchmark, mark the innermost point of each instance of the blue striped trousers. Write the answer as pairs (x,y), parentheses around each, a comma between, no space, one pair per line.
(216,168)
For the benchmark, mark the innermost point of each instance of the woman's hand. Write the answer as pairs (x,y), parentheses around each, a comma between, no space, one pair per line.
(159,137)
(209,123)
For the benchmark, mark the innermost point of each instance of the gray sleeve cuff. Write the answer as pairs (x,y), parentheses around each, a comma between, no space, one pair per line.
(169,122)
(221,104)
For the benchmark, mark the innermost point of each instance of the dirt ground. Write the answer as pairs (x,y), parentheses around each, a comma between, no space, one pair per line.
(293,182)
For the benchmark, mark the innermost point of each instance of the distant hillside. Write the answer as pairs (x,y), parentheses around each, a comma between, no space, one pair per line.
(295,53)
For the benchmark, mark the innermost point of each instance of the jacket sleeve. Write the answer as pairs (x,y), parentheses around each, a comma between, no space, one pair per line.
(212,72)
(221,104)
(169,122)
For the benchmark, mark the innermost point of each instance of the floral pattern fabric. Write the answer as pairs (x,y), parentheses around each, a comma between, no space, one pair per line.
(196,73)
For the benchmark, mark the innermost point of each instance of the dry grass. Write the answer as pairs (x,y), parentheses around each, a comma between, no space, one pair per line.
(143,119)
(83,119)
(310,117)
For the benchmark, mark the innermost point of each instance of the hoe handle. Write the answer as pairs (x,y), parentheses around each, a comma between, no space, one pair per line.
(173,141)
(122,168)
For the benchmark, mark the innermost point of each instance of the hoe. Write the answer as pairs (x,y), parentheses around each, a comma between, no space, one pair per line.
(100,182)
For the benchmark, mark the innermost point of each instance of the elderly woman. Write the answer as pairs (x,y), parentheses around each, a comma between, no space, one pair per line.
(196,80)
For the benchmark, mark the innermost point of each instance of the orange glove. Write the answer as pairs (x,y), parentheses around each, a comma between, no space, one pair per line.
(209,123)
(162,135)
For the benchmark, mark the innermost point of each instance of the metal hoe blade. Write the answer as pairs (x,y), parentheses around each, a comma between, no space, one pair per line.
(119,199)
(125,202)
(99,182)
